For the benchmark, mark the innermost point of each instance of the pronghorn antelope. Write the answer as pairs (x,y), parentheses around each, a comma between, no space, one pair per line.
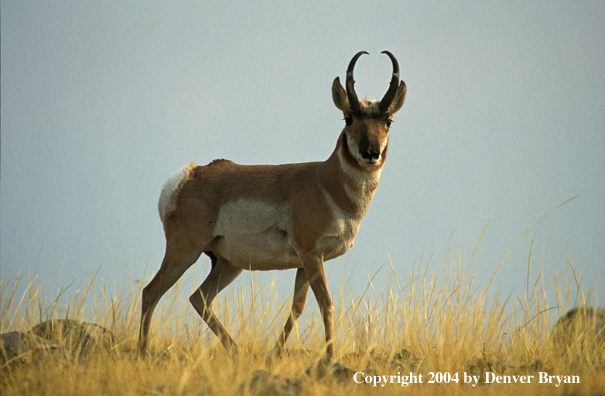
(275,217)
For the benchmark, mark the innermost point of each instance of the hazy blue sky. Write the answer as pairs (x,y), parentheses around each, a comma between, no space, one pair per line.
(504,121)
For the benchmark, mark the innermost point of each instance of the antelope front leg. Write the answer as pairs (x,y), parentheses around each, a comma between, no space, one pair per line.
(301,286)
(314,268)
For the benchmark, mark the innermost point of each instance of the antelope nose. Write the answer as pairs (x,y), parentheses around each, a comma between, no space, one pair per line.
(370,155)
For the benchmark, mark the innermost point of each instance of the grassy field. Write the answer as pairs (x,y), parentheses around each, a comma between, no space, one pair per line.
(428,336)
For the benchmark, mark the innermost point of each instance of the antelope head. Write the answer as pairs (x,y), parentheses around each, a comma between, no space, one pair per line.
(368,121)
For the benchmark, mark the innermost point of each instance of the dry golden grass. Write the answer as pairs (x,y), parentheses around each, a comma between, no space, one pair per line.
(427,325)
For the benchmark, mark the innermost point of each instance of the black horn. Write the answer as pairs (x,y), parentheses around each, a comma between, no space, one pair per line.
(390,95)
(350,82)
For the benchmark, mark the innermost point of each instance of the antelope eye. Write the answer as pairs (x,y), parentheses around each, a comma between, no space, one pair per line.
(348,120)
(389,121)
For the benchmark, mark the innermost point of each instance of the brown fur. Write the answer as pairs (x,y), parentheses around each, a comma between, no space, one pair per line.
(317,209)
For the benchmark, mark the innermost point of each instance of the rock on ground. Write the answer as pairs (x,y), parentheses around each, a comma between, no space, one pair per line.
(18,348)
(582,327)
(264,383)
(75,335)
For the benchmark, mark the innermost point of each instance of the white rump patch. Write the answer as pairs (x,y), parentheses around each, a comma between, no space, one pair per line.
(171,189)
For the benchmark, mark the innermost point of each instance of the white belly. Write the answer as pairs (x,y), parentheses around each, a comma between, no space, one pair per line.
(257,236)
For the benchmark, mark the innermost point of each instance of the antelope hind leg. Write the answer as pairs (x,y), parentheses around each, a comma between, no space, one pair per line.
(221,275)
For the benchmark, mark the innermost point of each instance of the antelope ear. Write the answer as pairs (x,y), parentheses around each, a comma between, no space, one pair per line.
(339,95)
(399,99)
